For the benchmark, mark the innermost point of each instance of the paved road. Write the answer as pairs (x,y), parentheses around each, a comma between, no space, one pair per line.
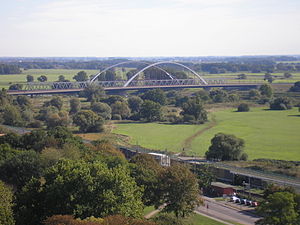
(226,213)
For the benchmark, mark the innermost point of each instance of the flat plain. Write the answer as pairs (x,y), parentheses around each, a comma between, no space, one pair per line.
(267,133)
(52,74)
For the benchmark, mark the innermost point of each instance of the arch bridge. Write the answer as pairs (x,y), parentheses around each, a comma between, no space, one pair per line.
(132,83)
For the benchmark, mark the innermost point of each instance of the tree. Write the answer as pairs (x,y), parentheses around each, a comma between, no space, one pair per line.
(121,108)
(82,189)
(155,95)
(42,78)
(93,93)
(15,87)
(19,169)
(296,87)
(151,111)
(242,76)
(243,107)
(56,102)
(12,116)
(81,76)
(281,103)
(179,190)
(61,78)
(254,94)
(88,121)
(193,111)
(29,78)
(266,90)
(74,105)
(23,101)
(6,213)
(58,119)
(180,75)
(102,109)
(145,169)
(269,77)
(218,95)
(226,147)
(134,103)
(205,177)
(287,75)
(278,209)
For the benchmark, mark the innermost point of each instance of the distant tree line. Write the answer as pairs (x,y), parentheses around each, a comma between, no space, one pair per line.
(9,69)
(245,65)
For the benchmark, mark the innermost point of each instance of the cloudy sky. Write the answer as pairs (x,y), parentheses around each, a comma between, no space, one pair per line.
(149,27)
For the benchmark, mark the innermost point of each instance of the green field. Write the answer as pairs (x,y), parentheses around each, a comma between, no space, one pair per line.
(197,219)
(52,74)
(268,134)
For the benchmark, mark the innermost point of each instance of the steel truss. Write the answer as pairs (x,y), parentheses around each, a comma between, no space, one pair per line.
(110,84)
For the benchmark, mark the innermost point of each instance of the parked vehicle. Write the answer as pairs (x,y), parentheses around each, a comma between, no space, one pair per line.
(243,201)
(233,198)
(249,202)
(237,200)
(254,204)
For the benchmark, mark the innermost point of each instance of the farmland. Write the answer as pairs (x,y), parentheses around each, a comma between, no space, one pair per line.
(268,134)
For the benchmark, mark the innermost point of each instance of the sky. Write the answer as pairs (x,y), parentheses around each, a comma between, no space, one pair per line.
(145,28)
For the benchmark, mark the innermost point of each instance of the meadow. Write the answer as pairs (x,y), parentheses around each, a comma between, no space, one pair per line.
(267,134)
(52,74)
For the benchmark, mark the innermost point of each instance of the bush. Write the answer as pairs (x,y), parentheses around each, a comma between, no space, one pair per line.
(281,103)
(243,107)
(36,124)
(116,117)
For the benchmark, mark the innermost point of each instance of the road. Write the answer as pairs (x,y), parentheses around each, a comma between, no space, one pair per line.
(226,213)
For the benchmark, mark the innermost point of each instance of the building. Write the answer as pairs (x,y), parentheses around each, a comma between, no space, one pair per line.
(221,189)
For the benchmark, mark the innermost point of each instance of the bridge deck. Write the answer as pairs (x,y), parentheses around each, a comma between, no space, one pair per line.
(76,90)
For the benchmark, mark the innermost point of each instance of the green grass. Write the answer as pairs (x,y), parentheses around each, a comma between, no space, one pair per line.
(52,75)
(197,219)
(267,134)
(158,136)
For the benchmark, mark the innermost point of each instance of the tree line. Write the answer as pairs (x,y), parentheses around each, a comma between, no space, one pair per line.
(9,69)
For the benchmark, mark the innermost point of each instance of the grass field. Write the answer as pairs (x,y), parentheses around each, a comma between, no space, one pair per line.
(268,134)
(52,74)
(197,219)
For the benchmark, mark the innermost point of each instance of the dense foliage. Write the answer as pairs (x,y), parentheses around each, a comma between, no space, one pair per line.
(226,147)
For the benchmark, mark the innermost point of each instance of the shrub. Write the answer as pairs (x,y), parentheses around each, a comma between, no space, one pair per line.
(243,107)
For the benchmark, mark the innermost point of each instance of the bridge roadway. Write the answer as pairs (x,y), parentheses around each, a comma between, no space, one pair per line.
(128,88)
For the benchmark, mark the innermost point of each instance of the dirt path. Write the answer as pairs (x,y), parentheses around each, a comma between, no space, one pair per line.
(188,141)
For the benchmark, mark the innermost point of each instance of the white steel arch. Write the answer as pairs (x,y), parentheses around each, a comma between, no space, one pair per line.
(159,63)
(121,63)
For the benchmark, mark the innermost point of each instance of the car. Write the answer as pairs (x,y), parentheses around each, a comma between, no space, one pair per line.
(233,198)
(254,204)
(237,200)
(243,201)
(249,202)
